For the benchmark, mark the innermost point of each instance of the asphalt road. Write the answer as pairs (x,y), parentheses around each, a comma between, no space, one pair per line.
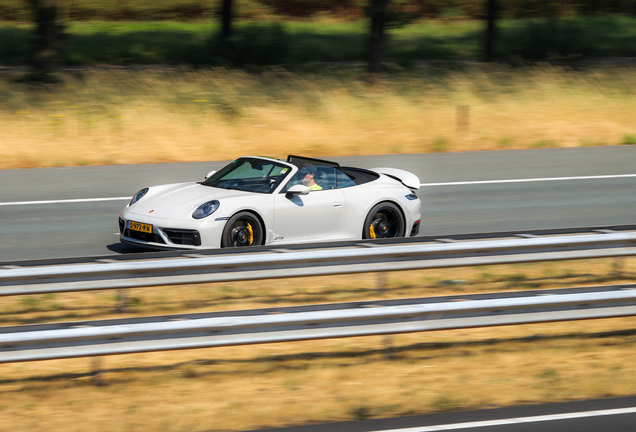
(461,193)
(611,415)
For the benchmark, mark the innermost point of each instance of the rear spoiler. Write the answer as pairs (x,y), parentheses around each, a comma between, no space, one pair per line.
(408,179)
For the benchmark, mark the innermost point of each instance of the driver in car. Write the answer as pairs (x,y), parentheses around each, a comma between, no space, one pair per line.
(308,175)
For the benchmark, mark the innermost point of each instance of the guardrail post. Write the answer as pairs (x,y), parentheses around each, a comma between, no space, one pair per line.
(122,300)
(382,282)
(617,266)
(98,378)
(388,346)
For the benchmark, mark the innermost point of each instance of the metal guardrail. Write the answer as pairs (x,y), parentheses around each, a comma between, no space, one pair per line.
(125,254)
(401,254)
(65,340)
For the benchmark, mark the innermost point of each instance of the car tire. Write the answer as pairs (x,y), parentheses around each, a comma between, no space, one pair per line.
(243,229)
(385,220)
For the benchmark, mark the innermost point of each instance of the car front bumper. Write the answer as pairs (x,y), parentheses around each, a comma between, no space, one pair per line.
(168,234)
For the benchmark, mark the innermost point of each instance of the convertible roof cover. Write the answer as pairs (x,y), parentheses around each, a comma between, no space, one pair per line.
(300,161)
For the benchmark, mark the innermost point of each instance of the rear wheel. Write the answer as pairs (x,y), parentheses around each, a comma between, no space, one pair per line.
(385,220)
(242,229)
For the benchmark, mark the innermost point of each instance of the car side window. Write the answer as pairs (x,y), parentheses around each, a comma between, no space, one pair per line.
(327,177)
(343,180)
(295,180)
(316,177)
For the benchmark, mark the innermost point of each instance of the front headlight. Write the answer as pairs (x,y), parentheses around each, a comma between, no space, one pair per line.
(139,195)
(206,209)
(411,197)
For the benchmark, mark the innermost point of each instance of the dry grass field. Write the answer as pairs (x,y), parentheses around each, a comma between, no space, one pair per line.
(115,116)
(239,388)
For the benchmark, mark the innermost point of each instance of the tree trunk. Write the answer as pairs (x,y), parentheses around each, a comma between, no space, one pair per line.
(490,52)
(49,39)
(377,39)
(226,20)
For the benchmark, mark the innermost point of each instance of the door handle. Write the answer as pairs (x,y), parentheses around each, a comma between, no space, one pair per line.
(337,204)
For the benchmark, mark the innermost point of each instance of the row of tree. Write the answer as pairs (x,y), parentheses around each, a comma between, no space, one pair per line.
(49,38)
(180,10)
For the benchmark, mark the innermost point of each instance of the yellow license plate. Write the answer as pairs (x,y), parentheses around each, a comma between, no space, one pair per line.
(138,226)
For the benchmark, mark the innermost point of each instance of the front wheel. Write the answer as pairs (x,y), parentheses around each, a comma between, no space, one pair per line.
(242,229)
(385,220)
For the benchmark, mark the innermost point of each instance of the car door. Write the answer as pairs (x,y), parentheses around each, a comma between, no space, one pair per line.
(307,217)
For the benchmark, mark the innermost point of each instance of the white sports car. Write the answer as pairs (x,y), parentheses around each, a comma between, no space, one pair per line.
(262,201)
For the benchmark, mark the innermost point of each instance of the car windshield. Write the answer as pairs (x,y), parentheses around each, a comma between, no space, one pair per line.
(250,175)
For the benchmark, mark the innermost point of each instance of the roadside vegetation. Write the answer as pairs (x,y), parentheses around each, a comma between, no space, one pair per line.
(294,43)
(149,115)
(118,10)
(239,388)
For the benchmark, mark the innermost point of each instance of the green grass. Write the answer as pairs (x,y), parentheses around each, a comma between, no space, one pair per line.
(544,144)
(629,139)
(296,43)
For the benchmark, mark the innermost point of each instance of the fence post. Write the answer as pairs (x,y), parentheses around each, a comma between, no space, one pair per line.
(463,118)
(96,364)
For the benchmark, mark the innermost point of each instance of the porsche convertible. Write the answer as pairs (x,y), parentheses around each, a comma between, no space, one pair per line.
(263,201)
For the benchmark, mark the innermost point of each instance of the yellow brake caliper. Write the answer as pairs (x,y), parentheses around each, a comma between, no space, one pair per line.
(372,231)
(251,234)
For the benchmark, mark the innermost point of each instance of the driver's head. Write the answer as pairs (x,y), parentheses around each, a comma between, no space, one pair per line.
(307,173)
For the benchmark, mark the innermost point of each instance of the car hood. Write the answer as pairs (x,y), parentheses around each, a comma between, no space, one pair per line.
(180,200)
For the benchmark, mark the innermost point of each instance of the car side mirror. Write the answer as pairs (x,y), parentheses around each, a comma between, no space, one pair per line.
(297,190)
(210,174)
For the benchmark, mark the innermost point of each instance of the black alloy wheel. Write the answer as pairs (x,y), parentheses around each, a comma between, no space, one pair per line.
(243,229)
(385,220)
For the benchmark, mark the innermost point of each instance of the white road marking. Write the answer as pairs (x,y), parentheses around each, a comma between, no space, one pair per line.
(67,201)
(529,180)
(517,420)
(83,200)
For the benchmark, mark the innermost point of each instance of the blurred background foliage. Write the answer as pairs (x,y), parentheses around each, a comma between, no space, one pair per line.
(297,32)
(293,43)
(156,10)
